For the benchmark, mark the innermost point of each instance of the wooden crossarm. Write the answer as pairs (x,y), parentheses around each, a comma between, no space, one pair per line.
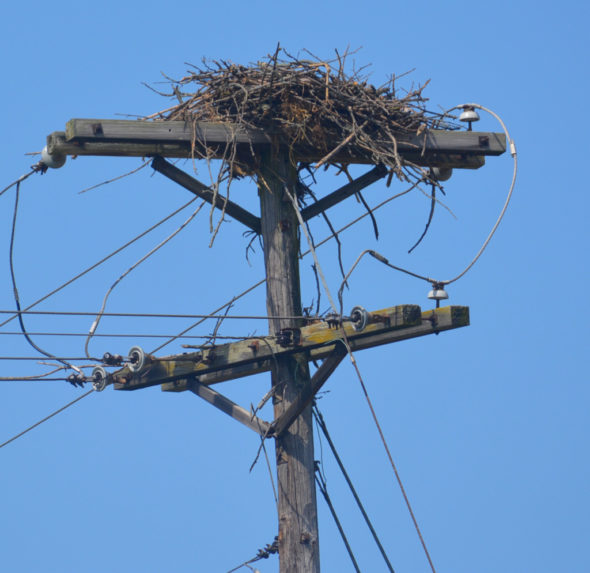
(119,137)
(316,341)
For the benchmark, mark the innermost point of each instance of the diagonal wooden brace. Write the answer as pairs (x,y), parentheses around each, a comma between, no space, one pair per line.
(284,421)
(230,408)
(344,192)
(201,190)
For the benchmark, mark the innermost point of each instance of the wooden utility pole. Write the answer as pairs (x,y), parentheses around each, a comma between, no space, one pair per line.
(298,523)
(291,345)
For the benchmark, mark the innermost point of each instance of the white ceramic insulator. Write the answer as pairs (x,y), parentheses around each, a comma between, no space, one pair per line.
(54,161)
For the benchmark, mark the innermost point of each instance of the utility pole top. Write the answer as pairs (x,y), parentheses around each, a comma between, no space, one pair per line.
(137,138)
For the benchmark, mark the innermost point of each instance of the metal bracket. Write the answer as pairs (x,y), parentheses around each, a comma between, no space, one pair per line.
(289,337)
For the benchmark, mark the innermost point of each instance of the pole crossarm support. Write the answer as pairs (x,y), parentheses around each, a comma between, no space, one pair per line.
(355,186)
(133,138)
(201,190)
(230,408)
(316,341)
(283,422)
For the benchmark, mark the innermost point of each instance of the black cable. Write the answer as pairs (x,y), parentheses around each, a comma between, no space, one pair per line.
(46,418)
(123,335)
(104,259)
(38,167)
(61,359)
(157,315)
(31,379)
(322,486)
(322,424)
(15,289)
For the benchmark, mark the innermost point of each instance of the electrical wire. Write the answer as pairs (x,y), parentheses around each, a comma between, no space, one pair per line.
(512,147)
(98,263)
(37,168)
(46,418)
(390,457)
(370,404)
(62,359)
(40,378)
(440,283)
(131,268)
(200,321)
(15,289)
(116,178)
(212,316)
(264,553)
(322,425)
(311,245)
(262,281)
(322,487)
(122,335)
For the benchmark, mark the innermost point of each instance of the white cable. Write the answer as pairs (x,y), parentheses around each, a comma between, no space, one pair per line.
(512,148)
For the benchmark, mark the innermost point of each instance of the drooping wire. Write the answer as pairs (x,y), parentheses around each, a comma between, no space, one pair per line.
(100,262)
(441,283)
(322,425)
(324,491)
(512,147)
(131,268)
(15,289)
(46,418)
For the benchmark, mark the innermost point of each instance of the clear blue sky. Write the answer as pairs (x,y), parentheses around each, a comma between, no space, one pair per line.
(488,424)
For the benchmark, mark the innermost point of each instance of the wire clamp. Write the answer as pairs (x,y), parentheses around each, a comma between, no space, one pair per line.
(112,359)
(76,379)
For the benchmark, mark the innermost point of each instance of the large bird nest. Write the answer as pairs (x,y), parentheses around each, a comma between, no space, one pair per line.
(315,108)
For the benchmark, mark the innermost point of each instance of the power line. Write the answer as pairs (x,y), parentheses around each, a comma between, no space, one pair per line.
(264,553)
(37,168)
(98,263)
(131,268)
(57,358)
(322,487)
(130,335)
(213,315)
(368,399)
(117,177)
(203,318)
(46,418)
(322,425)
(390,457)
(15,289)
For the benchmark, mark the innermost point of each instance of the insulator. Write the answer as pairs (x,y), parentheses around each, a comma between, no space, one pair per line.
(53,160)
(99,379)
(360,318)
(136,359)
(438,294)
